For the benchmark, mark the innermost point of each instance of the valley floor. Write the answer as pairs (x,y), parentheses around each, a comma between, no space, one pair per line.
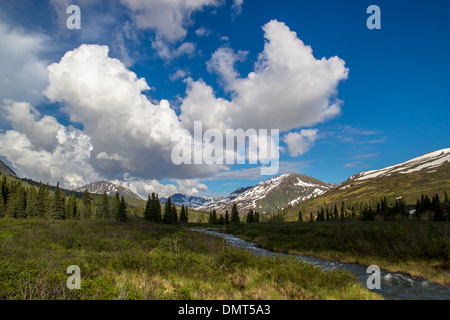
(140,260)
(417,248)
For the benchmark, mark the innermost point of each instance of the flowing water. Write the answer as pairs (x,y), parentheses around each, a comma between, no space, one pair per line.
(394,286)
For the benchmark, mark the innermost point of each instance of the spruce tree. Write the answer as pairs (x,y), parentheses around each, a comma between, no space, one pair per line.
(174,215)
(71,208)
(4,190)
(250,216)
(183,215)
(221,220)
(2,206)
(186,213)
(436,207)
(342,215)
(148,208)
(335,213)
(227,217)
(87,210)
(156,215)
(16,205)
(122,212)
(167,218)
(58,204)
(104,210)
(40,203)
(300,218)
(234,215)
(214,217)
(256,217)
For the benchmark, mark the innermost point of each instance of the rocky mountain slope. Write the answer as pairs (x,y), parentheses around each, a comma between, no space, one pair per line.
(99,187)
(428,174)
(4,169)
(273,194)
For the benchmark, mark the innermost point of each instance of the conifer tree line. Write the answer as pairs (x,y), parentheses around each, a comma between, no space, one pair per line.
(433,207)
(220,219)
(153,211)
(20,200)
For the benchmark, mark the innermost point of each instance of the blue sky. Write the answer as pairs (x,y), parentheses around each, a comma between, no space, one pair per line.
(393,98)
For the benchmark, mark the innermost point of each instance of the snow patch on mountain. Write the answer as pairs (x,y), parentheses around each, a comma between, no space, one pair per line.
(427,161)
(277,192)
(100,187)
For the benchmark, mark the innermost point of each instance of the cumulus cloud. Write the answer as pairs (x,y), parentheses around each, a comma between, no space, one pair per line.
(300,142)
(23,73)
(169,19)
(128,132)
(223,62)
(288,89)
(179,74)
(168,52)
(24,119)
(42,148)
(146,187)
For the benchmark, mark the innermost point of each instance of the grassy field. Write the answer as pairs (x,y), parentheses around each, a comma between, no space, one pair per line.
(139,260)
(417,248)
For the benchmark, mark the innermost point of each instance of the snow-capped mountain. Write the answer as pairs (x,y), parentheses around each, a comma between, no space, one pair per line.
(223,201)
(196,202)
(427,174)
(188,201)
(99,187)
(273,194)
(429,161)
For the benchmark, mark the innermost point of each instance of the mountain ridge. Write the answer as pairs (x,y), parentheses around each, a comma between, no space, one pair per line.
(427,174)
(273,194)
(99,187)
(4,169)
(195,202)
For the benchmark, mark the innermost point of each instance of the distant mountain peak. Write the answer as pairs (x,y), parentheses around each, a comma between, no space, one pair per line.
(275,193)
(102,186)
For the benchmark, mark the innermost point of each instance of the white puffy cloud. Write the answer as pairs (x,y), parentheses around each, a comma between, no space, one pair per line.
(288,89)
(179,74)
(23,73)
(169,19)
(24,119)
(299,142)
(146,187)
(201,104)
(129,134)
(223,61)
(41,148)
(168,52)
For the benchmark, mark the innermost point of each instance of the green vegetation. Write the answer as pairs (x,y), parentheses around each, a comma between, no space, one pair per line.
(419,248)
(407,186)
(143,260)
